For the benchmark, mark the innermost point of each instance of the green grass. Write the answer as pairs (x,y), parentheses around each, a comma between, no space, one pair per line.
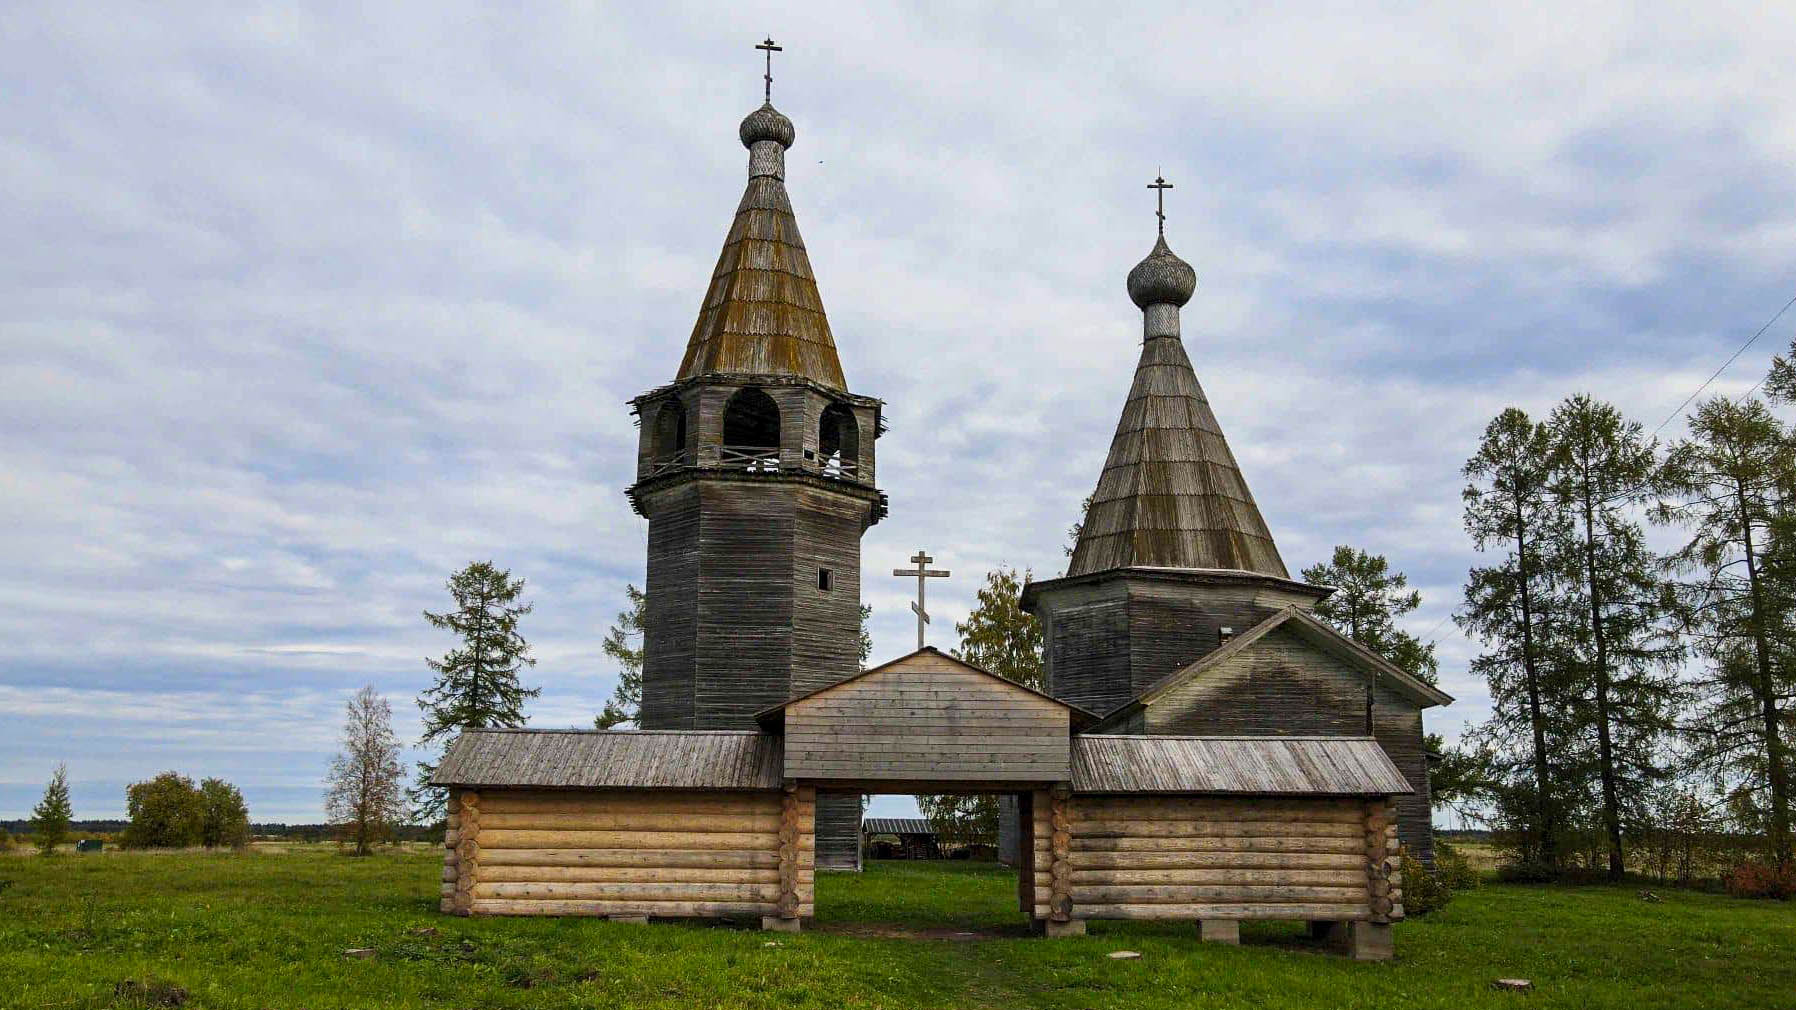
(268,929)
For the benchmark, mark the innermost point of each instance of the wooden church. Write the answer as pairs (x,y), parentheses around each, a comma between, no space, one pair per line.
(1207,750)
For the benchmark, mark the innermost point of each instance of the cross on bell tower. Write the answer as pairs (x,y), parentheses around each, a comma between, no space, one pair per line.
(1160,186)
(768,77)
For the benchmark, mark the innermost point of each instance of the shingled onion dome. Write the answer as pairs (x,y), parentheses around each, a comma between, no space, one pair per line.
(767,123)
(1162,279)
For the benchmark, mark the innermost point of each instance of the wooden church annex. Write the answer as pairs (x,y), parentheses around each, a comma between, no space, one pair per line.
(1206,749)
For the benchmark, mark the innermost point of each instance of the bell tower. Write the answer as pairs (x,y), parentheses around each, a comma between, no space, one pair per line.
(755,471)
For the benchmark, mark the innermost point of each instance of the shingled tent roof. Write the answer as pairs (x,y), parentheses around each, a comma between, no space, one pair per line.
(1171,494)
(762,314)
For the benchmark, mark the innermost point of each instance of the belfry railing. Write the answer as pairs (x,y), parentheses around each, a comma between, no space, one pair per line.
(759,459)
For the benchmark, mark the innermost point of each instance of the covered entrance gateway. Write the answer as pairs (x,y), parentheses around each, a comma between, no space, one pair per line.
(672,823)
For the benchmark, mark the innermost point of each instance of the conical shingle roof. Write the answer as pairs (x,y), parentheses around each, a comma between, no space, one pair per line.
(762,314)
(1171,494)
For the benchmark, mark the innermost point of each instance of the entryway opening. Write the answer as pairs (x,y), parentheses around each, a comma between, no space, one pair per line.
(941,866)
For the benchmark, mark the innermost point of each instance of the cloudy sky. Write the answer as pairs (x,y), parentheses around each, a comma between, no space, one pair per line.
(303,309)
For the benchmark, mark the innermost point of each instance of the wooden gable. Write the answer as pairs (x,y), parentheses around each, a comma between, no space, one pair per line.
(927,718)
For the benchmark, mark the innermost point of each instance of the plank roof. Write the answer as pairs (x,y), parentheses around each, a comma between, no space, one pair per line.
(896,826)
(1261,766)
(1171,494)
(762,314)
(612,759)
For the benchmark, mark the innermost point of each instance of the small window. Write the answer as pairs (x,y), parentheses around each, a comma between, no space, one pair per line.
(823,579)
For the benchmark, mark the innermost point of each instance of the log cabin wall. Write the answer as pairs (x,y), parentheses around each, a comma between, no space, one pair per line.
(630,853)
(1196,858)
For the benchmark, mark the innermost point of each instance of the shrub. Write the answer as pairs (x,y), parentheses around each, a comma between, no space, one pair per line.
(1530,872)
(1754,879)
(166,813)
(224,817)
(5,840)
(1426,890)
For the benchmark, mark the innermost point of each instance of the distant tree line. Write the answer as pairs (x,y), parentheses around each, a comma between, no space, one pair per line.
(168,811)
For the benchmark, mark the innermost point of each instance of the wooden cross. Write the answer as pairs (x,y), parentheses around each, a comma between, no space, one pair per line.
(921,573)
(768,77)
(1160,185)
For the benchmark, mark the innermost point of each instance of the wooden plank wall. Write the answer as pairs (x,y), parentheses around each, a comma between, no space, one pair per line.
(1286,686)
(1193,857)
(628,853)
(932,719)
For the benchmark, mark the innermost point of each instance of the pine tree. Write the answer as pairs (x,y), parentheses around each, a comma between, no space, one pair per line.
(364,800)
(1365,605)
(998,635)
(1735,481)
(50,818)
(1600,470)
(477,683)
(1506,609)
(623,643)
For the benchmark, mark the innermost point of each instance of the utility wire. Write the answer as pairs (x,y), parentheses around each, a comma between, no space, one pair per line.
(1724,364)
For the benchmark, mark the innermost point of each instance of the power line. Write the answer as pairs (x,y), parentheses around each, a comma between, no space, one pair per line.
(1724,364)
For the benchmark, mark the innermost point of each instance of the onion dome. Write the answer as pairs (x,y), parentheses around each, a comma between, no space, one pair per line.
(767,123)
(1161,279)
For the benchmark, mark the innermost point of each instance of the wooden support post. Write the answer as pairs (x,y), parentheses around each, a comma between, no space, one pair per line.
(451,857)
(1219,931)
(1071,927)
(467,851)
(1060,873)
(789,831)
(776,924)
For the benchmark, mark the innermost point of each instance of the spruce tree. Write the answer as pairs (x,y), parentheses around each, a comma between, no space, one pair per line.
(1507,609)
(623,643)
(1733,485)
(1365,605)
(1600,470)
(50,818)
(477,683)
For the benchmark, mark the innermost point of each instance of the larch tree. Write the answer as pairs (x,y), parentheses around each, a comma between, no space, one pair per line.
(1600,474)
(365,798)
(623,643)
(50,818)
(1732,484)
(1507,606)
(477,685)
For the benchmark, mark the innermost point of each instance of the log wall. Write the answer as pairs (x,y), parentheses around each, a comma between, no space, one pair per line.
(629,853)
(1191,857)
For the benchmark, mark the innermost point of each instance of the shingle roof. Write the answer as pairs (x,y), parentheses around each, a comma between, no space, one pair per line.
(762,314)
(600,759)
(1171,494)
(896,826)
(1261,766)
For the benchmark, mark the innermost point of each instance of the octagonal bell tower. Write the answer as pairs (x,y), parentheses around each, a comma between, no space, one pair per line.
(756,473)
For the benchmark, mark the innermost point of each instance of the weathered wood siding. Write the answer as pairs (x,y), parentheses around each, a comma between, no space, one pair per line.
(931,719)
(1193,857)
(1285,686)
(1291,688)
(630,853)
(838,831)
(1106,642)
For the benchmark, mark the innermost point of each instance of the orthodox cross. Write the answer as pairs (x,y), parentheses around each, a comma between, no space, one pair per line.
(922,573)
(1160,185)
(768,77)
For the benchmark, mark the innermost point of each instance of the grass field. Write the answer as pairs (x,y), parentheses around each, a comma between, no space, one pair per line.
(268,929)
